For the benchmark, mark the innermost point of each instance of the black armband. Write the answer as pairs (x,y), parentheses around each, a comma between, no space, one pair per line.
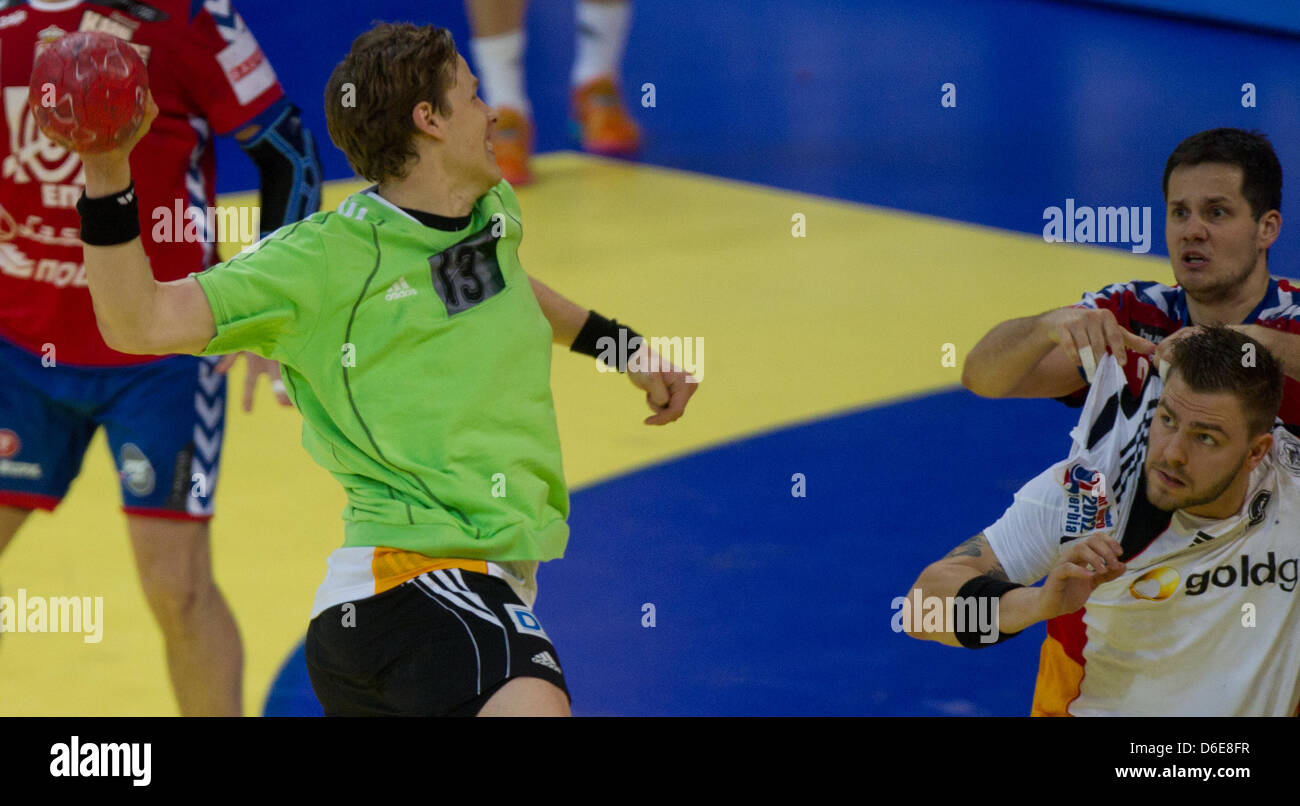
(109,220)
(607,340)
(982,587)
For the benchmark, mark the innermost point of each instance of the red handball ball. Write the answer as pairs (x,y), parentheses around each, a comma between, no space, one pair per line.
(88,91)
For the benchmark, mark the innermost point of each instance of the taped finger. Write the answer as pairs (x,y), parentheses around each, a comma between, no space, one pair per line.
(1089,363)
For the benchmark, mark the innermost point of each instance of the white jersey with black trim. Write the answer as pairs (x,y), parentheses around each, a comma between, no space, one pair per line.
(1206,618)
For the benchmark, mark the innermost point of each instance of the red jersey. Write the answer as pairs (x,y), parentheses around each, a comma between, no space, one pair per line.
(207,74)
(1153,311)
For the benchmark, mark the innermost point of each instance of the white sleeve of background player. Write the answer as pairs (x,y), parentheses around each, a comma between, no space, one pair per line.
(1027,539)
(1108,380)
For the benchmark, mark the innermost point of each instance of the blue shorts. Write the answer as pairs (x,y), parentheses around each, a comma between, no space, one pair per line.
(164,422)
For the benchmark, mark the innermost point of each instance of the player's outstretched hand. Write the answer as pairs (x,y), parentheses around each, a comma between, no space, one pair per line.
(667,388)
(1089,562)
(1087,333)
(255,367)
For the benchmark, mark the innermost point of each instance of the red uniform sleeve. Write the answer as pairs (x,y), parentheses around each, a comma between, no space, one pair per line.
(1290,411)
(1111,298)
(226,73)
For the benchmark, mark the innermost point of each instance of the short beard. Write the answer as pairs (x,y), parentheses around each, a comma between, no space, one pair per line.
(1227,288)
(1219,489)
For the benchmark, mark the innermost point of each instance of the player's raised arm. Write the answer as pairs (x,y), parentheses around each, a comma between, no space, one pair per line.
(1040,356)
(972,569)
(136,313)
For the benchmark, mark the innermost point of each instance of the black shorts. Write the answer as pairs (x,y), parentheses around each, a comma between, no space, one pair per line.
(437,645)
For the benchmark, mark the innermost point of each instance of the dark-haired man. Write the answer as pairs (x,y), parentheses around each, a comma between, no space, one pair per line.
(1223,194)
(1168,543)
(418,352)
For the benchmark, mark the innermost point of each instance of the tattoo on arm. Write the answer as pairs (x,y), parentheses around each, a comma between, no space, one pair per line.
(969,548)
(973,547)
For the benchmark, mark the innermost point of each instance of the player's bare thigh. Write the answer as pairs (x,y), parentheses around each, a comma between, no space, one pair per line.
(10,519)
(527,696)
(171,554)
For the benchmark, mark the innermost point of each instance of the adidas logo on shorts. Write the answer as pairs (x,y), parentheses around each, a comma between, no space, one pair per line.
(398,290)
(545,659)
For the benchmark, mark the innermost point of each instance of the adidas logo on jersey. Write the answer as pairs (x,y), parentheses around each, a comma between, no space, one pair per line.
(398,290)
(545,659)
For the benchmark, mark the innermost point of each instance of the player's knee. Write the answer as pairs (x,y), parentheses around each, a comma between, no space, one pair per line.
(174,600)
(527,696)
(175,570)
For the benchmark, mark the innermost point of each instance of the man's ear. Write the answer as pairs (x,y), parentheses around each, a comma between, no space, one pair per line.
(427,120)
(1259,448)
(1270,226)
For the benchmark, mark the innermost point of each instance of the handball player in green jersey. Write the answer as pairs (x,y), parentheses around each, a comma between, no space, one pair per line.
(418,352)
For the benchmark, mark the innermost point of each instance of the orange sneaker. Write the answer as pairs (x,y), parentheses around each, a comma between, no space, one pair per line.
(604,126)
(512,143)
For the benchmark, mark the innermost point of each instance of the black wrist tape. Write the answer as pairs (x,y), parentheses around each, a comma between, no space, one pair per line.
(607,339)
(109,220)
(982,587)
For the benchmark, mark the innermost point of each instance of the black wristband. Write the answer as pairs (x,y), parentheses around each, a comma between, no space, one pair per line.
(109,220)
(982,587)
(605,339)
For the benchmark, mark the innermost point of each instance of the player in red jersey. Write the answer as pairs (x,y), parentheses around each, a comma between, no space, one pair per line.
(163,416)
(1223,194)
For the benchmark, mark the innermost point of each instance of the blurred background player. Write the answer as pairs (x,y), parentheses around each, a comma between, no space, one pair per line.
(1223,195)
(497,47)
(163,416)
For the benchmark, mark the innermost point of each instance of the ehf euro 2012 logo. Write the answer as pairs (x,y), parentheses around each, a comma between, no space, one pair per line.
(1087,509)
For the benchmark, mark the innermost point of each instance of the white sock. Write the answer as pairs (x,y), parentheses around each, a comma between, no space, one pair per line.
(602,33)
(499,63)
